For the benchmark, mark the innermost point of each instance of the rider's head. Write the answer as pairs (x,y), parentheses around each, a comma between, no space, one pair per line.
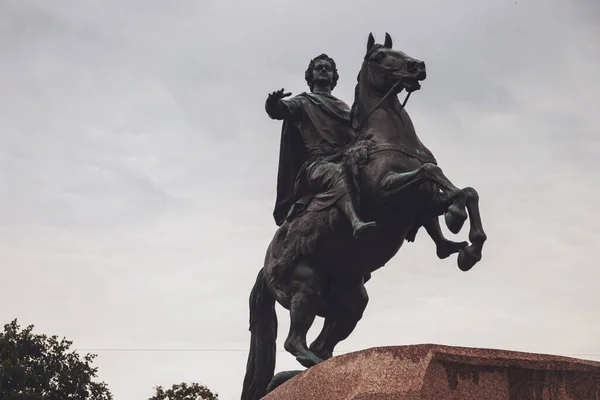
(321,71)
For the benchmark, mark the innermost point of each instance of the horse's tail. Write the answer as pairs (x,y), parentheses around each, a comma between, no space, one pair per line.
(263,327)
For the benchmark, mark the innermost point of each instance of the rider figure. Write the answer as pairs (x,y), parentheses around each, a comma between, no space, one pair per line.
(316,131)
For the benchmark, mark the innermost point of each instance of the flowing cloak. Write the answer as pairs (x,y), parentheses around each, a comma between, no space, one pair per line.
(332,116)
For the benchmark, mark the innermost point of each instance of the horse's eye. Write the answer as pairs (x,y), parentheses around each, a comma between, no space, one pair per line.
(379,56)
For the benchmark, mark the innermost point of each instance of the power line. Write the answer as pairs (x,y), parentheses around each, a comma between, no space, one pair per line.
(205,350)
(181,350)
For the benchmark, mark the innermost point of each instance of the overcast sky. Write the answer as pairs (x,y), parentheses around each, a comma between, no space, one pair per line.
(138,169)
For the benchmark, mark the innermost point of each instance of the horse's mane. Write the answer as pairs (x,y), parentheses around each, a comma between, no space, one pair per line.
(354,109)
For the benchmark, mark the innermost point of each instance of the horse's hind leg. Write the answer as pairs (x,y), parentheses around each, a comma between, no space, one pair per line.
(471,255)
(304,305)
(348,305)
(319,346)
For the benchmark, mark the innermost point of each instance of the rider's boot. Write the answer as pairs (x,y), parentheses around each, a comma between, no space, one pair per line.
(358,225)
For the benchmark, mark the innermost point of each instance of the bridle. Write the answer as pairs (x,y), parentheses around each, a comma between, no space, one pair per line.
(389,92)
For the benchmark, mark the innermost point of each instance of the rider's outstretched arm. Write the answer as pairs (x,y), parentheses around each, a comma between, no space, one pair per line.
(279,108)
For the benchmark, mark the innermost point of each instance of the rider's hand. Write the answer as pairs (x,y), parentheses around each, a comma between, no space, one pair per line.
(278,95)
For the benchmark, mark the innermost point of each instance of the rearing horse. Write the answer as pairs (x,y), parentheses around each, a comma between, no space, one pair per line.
(402,188)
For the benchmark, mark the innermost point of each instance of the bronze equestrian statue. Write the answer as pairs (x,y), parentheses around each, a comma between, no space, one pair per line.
(316,264)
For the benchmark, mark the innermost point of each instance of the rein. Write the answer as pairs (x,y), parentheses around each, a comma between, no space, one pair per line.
(380,102)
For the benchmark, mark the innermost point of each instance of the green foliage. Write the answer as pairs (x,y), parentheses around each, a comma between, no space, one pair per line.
(183,391)
(38,367)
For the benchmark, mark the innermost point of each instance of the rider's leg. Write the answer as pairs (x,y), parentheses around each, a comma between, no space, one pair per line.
(333,179)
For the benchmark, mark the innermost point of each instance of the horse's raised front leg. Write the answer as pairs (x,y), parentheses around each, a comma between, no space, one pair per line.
(304,304)
(444,247)
(456,214)
(471,255)
(397,181)
(347,306)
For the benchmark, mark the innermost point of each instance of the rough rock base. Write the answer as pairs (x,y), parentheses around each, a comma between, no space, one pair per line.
(434,372)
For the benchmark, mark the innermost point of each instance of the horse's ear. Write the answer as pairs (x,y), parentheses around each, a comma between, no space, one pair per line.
(388,41)
(370,42)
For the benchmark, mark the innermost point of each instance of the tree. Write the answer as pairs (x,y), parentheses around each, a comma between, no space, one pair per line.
(38,367)
(183,391)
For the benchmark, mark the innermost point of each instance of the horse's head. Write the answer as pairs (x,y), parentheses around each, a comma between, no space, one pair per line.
(384,67)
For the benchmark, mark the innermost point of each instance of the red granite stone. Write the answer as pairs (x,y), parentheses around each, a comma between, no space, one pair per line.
(435,372)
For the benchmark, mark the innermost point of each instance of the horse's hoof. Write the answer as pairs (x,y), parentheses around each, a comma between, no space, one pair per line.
(309,359)
(322,354)
(467,258)
(455,220)
(448,247)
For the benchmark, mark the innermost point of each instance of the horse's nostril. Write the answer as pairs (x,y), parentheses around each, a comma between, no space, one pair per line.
(411,65)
